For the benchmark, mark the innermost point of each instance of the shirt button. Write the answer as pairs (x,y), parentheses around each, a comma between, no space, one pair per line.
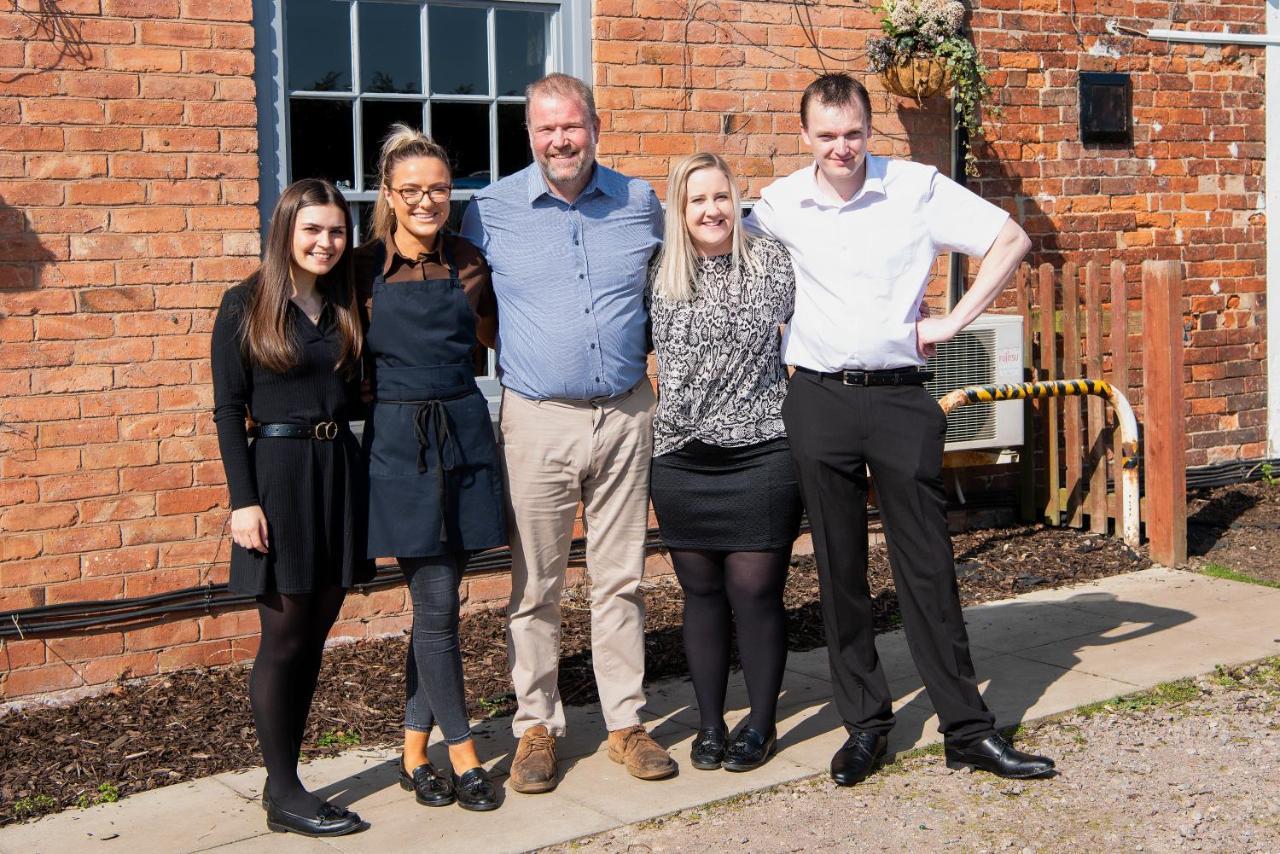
(593,346)
(575,241)
(582,275)
(597,379)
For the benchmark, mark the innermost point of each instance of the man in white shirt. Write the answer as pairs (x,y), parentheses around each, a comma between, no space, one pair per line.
(864,232)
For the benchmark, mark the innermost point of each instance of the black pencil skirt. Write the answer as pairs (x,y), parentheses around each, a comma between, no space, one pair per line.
(726,499)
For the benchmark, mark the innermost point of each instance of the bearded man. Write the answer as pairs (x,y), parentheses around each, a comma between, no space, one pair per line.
(569,241)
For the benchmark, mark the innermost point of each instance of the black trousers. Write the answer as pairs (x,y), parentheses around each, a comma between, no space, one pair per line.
(837,433)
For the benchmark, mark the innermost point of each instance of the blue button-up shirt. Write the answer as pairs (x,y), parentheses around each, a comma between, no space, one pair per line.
(569,278)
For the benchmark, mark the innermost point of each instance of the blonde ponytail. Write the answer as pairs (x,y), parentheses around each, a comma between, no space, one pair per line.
(401,143)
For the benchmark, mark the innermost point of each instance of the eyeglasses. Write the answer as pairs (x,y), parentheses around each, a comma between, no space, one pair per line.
(413,195)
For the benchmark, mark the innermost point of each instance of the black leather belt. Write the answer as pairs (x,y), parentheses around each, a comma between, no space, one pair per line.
(892,376)
(325,431)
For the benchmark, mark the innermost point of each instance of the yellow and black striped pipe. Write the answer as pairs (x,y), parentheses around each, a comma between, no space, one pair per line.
(1056,388)
(1125,420)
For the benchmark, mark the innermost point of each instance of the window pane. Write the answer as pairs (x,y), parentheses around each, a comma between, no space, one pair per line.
(320,140)
(318,35)
(459,51)
(390,48)
(377,116)
(513,140)
(363,214)
(463,129)
(522,49)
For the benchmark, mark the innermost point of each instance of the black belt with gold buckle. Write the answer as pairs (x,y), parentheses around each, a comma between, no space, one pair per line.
(324,431)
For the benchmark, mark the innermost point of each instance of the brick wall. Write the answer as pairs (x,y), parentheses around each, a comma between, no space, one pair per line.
(127,204)
(128,191)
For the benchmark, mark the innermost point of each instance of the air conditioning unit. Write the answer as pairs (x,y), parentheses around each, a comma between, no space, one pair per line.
(988,351)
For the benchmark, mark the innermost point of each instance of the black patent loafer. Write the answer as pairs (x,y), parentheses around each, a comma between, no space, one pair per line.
(329,820)
(707,752)
(430,788)
(476,791)
(998,756)
(860,756)
(749,749)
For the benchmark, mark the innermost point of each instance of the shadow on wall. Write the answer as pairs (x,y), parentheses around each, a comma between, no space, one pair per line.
(51,23)
(22,256)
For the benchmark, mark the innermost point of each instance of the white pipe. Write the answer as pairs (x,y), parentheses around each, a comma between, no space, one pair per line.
(1223,37)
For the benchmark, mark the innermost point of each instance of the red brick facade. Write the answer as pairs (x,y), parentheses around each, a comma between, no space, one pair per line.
(128,202)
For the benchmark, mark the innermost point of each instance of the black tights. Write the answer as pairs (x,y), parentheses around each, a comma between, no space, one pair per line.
(294,628)
(720,587)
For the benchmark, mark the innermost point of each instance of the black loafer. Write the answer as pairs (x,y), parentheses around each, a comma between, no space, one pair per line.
(861,754)
(430,788)
(329,820)
(476,791)
(707,751)
(996,755)
(749,749)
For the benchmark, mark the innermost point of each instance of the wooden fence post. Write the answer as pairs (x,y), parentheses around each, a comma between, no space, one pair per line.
(1164,452)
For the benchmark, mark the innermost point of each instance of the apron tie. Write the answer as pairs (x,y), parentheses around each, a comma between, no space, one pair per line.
(431,421)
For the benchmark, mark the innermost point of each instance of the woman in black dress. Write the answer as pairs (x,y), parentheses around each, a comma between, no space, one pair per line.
(435,491)
(286,354)
(722,481)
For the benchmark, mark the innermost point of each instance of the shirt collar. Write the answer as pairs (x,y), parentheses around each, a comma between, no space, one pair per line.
(873,184)
(603,180)
(395,258)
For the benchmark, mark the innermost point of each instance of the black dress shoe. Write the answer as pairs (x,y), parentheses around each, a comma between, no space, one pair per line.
(476,791)
(861,754)
(708,749)
(329,820)
(996,755)
(749,749)
(430,788)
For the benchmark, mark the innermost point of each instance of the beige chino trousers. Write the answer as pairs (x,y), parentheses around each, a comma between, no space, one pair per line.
(557,454)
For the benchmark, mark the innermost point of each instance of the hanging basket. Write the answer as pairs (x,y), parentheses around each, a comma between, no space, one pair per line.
(919,77)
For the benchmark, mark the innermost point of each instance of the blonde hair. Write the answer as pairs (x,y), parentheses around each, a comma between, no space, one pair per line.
(559,85)
(401,143)
(678,265)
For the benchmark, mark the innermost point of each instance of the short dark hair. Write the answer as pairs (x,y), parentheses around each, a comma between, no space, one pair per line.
(834,90)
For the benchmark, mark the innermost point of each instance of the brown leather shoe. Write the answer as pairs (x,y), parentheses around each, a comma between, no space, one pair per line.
(642,756)
(533,769)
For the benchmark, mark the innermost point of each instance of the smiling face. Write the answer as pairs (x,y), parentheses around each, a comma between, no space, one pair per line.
(418,224)
(708,212)
(837,136)
(319,239)
(562,136)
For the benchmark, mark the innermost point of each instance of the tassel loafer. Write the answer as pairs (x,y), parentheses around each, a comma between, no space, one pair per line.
(329,820)
(430,788)
(707,752)
(750,749)
(475,790)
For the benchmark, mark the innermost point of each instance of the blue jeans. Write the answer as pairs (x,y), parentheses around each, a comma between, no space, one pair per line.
(433,665)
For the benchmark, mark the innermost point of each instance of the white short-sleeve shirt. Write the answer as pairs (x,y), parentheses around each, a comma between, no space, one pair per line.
(862,266)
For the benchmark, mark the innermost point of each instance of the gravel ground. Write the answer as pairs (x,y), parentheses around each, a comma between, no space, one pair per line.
(1190,765)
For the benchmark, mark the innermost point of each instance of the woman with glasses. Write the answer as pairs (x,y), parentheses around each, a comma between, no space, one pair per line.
(435,490)
(722,481)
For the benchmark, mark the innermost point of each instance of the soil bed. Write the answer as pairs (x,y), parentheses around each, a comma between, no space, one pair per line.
(1237,527)
(181,726)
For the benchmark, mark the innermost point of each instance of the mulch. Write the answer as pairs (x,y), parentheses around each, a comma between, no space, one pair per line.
(181,726)
(1237,527)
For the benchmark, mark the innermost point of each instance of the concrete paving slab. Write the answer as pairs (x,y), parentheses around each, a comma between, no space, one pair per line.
(523,822)
(273,843)
(605,786)
(181,818)
(998,629)
(1143,654)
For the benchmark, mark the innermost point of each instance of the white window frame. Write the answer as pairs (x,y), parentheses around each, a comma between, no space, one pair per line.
(568,50)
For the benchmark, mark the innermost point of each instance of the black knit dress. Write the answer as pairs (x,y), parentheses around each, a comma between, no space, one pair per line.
(312,492)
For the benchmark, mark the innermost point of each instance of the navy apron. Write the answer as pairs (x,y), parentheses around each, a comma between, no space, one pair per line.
(434,481)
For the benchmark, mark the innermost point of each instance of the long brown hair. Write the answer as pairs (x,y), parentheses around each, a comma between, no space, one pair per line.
(267,338)
(401,143)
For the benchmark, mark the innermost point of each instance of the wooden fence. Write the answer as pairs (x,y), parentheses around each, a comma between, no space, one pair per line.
(1079,322)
